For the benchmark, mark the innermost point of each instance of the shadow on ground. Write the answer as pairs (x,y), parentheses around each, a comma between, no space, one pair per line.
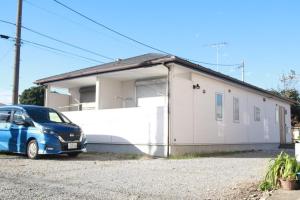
(82,157)
(92,156)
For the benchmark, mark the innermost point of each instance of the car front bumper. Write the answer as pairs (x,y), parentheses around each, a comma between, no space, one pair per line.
(53,145)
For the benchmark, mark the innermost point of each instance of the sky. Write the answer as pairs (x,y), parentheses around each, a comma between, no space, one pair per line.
(265,34)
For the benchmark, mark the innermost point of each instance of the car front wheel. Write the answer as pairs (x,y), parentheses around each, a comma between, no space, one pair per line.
(32,149)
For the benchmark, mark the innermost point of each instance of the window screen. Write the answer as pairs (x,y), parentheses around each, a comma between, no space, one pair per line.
(236,109)
(151,88)
(87,94)
(151,92)
(219,106)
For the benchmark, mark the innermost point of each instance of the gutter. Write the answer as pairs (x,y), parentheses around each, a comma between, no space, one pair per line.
(169,109)
(65,76)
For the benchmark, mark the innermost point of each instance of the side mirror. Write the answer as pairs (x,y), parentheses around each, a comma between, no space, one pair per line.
(23,122)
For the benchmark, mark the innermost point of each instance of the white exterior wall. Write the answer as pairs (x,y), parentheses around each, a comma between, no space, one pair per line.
(193,118)
(126,126)
(116,94)
(56,100)
(112,94)
(74,98)
(110,90)
(128,94)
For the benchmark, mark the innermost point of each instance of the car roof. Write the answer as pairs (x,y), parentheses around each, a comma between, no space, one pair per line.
(20,106)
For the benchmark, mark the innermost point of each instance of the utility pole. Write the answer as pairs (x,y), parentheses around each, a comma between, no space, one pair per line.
(15,95)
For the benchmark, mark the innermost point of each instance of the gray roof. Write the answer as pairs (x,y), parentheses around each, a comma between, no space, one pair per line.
(148,60)
(119,65)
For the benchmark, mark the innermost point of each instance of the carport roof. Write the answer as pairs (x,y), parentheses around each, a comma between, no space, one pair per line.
(148,60)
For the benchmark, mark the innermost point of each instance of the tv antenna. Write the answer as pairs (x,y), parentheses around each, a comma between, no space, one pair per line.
(218,46)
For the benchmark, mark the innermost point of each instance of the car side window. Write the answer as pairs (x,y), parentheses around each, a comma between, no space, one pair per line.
(18,116)
(5,116)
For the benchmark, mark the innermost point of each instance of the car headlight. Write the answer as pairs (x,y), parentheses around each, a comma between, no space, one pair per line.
(48,131)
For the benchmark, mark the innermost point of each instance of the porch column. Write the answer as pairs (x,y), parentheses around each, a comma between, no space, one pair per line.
(47,96)
(97,102)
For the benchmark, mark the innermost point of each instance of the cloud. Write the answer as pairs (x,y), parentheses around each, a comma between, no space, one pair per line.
(5,96)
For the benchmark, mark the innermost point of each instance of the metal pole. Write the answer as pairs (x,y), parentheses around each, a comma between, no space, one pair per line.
(243,71)
(217,58)
(15,94)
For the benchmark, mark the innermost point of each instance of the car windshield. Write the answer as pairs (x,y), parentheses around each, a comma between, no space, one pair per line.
(46,115)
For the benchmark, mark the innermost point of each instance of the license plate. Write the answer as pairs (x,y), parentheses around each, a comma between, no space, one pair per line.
(72,145)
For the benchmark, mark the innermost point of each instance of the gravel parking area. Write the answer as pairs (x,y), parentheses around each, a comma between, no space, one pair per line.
(108,176)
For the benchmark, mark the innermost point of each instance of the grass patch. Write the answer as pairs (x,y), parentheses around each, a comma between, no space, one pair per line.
(115,156)
(212,154)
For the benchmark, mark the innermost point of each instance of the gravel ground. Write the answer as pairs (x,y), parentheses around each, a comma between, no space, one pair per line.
(108,176)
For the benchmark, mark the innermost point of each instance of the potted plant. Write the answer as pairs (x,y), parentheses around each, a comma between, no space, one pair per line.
(289,179)
(282,172)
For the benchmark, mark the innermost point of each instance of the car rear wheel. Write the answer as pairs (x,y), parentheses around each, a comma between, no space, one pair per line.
(32,149)
(73,154)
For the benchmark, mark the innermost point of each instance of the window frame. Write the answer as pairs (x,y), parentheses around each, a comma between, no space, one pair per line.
(13,114)
(234,107)
(10,111)
(148,82)
(257,118)
(216,105)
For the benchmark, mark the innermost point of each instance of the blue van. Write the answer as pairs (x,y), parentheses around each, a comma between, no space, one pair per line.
(37,130)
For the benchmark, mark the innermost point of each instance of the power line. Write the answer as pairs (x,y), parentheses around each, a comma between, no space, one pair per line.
(60,41)
(63,17)
(214,64)
(81,25)
(63,51)
(110,29)
(56,49)
(57,53)
(130,38)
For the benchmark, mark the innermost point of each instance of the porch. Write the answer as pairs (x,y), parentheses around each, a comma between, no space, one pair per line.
(124,89)
(124,110)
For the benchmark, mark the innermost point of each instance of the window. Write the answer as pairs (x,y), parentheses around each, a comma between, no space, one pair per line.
(46,115)
(87,94)
(236,109)
(256,114)
(18,116)
(4,116)
(219,106)
(151,92)
(54,117)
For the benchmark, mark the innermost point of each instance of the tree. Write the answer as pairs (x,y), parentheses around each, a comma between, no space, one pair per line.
(295,108)
(289,82)
(292,94)
(33,96)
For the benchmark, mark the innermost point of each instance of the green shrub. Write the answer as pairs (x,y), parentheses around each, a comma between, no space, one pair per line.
(284,167)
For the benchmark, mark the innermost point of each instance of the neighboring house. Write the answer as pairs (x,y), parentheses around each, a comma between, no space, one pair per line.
(164,105)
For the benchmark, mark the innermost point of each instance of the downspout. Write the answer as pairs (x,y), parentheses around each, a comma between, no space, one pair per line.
(169,109)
